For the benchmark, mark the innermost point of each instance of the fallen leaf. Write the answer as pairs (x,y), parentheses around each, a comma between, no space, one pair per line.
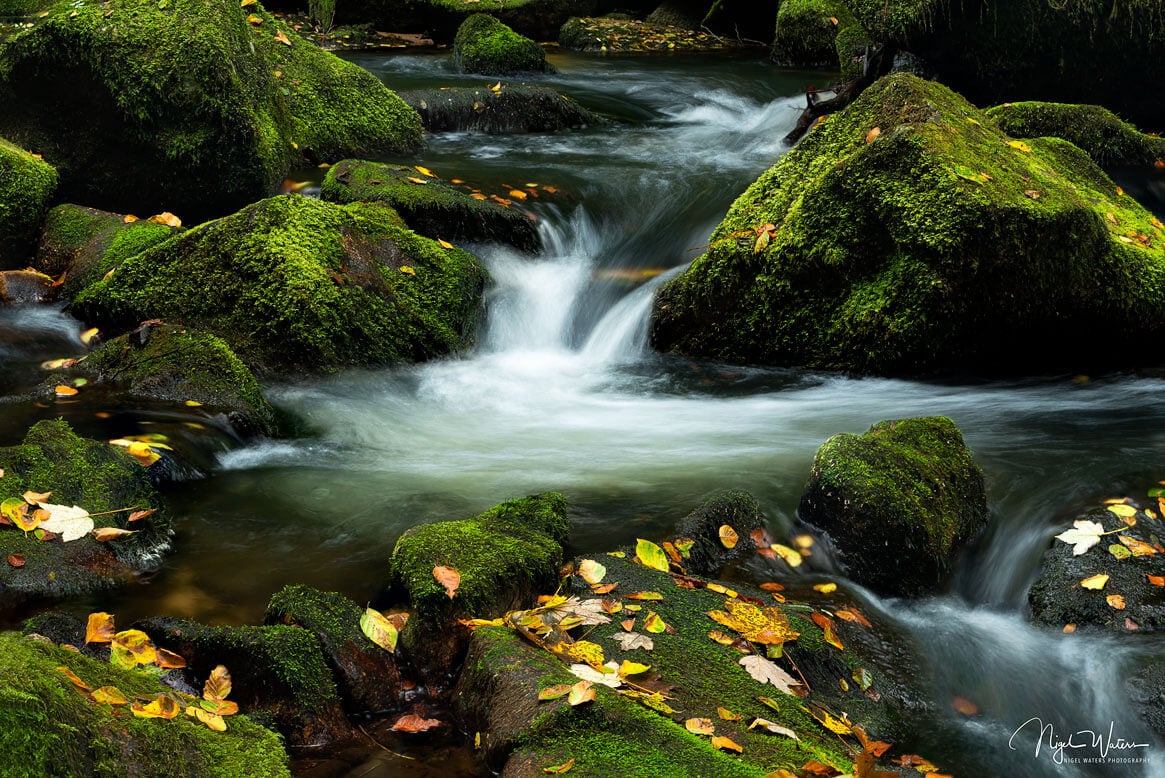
(829,721)
(281,38)
(721,589)
(254,19)
(168,660)
(700,726)
(213,721)
(65,391)
(70,523)
(407,270)
(1137,547)
(447,577)
(413,723)
(162,707)
(559,769)
(629,641)
(1156,580)
(378,629)
(166,218)
(728,536)
(768,626)
(1083,535)
(104,534)
(1115,601)
(766,671)
(444,243)
(873,134)
(791,557)
(74,678)
(653,623)
(772,727)
(850,613)
(826,625)
(99,628)
(771,586)
(1069,629)
(1018,144)
(650,555)
(517,194)
(109,695)
(964,706)
(424,171)
(582,692)
(36,498)
(218,685)
(16,560)
(825,588)
(727,744)
(1131,625)
(591,571)
(1095,582)
(588,673)
(1032,193)
(139,515)
(554,692)
(1124,510)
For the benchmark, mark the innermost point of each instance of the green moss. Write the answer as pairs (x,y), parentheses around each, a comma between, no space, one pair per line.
(193,109)
(293,283)
(1098,131)
(896,20)
(20,7)
(485,45)
(329,615)
(48,727)
(806,32)
(26,187)
(431,208)
(907,252)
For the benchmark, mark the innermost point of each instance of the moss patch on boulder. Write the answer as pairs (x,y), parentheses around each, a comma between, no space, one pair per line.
(97,477)
(898,501)
(1110,141)
(908,235)
(428,205)
(485,45)
(298,284)
(27,184)
(736,509)
(513,109)
(191,107)
(807,32)
(49,727)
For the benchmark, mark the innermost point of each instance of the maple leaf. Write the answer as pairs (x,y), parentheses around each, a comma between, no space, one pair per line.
(768,626)
(1083,535)
(766,671)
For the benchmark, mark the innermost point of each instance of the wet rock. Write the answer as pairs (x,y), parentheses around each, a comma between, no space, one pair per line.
(537,19)
(97,477)
(1146,689)
(26,287)
(1057,598)
(485,45)
(614,34)
(49,728)
(27,184)
(301,285)
(431,208)
(513,109)
(736,509)
(898,502)
(366,674)
(908,235)
(1110,141)
(238,105)
(278,673)
(502,555)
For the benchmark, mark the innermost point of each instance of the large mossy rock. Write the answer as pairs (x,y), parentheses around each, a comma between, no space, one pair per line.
(502,555)
(807,32)
(1110,141)
(908,235)
(192,107)
(430,207)
(512,109)
(84,244)
(27,184)
(298,284)
(898,502)
(97,477)
(49,727)
(485,45)
(1057,598)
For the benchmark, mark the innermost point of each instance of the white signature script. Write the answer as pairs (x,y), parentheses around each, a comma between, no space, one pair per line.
(1084,738)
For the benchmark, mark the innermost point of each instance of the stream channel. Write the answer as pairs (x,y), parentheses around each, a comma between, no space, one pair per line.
(562,393)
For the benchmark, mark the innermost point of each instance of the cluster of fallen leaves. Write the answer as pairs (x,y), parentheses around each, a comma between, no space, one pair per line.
(530,189)
(1086,534)
(32,512)
(630,35)
(131,649)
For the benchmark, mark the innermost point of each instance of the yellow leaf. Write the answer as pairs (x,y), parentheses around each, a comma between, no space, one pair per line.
(762,241)
(99,628)
(1115,601)
(137,645)
(168,660)
(109,695)
(192,403)
(650,555)
(246,3)
(726,744)
(632,668)
(700,726)
(826,588)
(833,20)
(254,19)
(103,534)
(1096,582)
(478,196)
(559,769)
(218,685)
(378,629)
(829,721)
(1122,510)
(407,270)
(769,626)
(728,536)
(873,134)
(591,571)
(166,218)
(444,244)
(416,180)
(73,677)
(721,589)
(518,194)
(211,720)
(281,38)
(581,692)
(653,623)
(89,335)
(1018,144)
(496,88)
(129,218)
(161,708)
(424,171)
(1138,547)
(727,715)
(791,557)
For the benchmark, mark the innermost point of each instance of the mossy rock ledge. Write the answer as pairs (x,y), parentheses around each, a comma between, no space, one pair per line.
(909,235)
(515,108)
(485,45)
(51,728)
(537,19)
(898,502)
(294,284)
(1109,140)
(191,107)
(431,207)
(27,184)
(502,555)
(97,477)
(818,34)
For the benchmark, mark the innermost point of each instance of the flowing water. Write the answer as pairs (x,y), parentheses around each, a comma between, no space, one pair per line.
(562,393)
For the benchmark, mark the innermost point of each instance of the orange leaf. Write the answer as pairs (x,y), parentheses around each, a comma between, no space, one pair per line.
(73,677)
(99,629)
(964,706)
(728,536)
(281,38)
(872,134)
(65,391)
(1139,548)
(161,708)
(770,586)
(16,560)
(166,218)
(447,577)
(851,613)
(168,660)
(218,685)
(1115,601)
(826,625)
(1156,580)
(138,515)
(727,744)
(517,194)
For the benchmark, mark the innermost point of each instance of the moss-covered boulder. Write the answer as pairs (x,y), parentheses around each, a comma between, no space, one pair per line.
(366,675)
(624,35)
(278,674)
(498,689)
(183,366)
(51,727)
(1110,141)
(84,244)
(485,45)
(512,109)
(537,19)
(97,477)
(502,555)
(192,107)
(428,205)
(1126,557)
(898,502)
(27,184)
(298,284)
(710,553)
(908,235)
(807,32)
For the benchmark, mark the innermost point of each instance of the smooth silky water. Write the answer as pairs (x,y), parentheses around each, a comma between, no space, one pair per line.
(562,393)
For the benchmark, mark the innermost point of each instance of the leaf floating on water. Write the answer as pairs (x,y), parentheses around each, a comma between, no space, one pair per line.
(1095,582)
(825,588)
(728,536)
(591,571)
(1068,629)
(699,726)
(1115,601)
(378,629)
(792,558)
(629,641)
(964,706)
(727,744)
(766,671)
(650,555)
(65,391)
(99,628)
(1083,535)
(447,577)
(559,769)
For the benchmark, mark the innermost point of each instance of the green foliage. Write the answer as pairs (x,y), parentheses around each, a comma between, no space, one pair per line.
(323,12)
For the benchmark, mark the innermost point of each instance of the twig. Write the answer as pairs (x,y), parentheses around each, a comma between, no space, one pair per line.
(386,748)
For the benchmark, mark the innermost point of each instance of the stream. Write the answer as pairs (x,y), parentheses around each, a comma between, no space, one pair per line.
(562,393)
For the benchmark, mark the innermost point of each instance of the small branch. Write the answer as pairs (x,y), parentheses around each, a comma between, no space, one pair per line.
(382,746)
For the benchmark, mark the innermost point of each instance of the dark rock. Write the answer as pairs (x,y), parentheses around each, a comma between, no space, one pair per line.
(485,45)
(514,109)
(25,287)
(614,34)
(1146,689)
(708,555)
(898,502)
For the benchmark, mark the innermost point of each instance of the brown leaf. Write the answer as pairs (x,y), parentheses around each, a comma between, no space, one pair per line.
(581,692)
(16,560)
(218,685)
(447,577)
(873,134)
(139,515)
(412,723)
(36,498)
(104,534)
(99,628)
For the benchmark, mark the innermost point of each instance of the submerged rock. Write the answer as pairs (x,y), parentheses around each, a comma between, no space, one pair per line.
(512,109)
(429,207)
(191,107)
(898,502)
(1126,557)
(294,284)
(502,556)
(485,45)
(50,727)
(908,235)
(97,477)
(27,184)
(1110,141)
(708,555)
